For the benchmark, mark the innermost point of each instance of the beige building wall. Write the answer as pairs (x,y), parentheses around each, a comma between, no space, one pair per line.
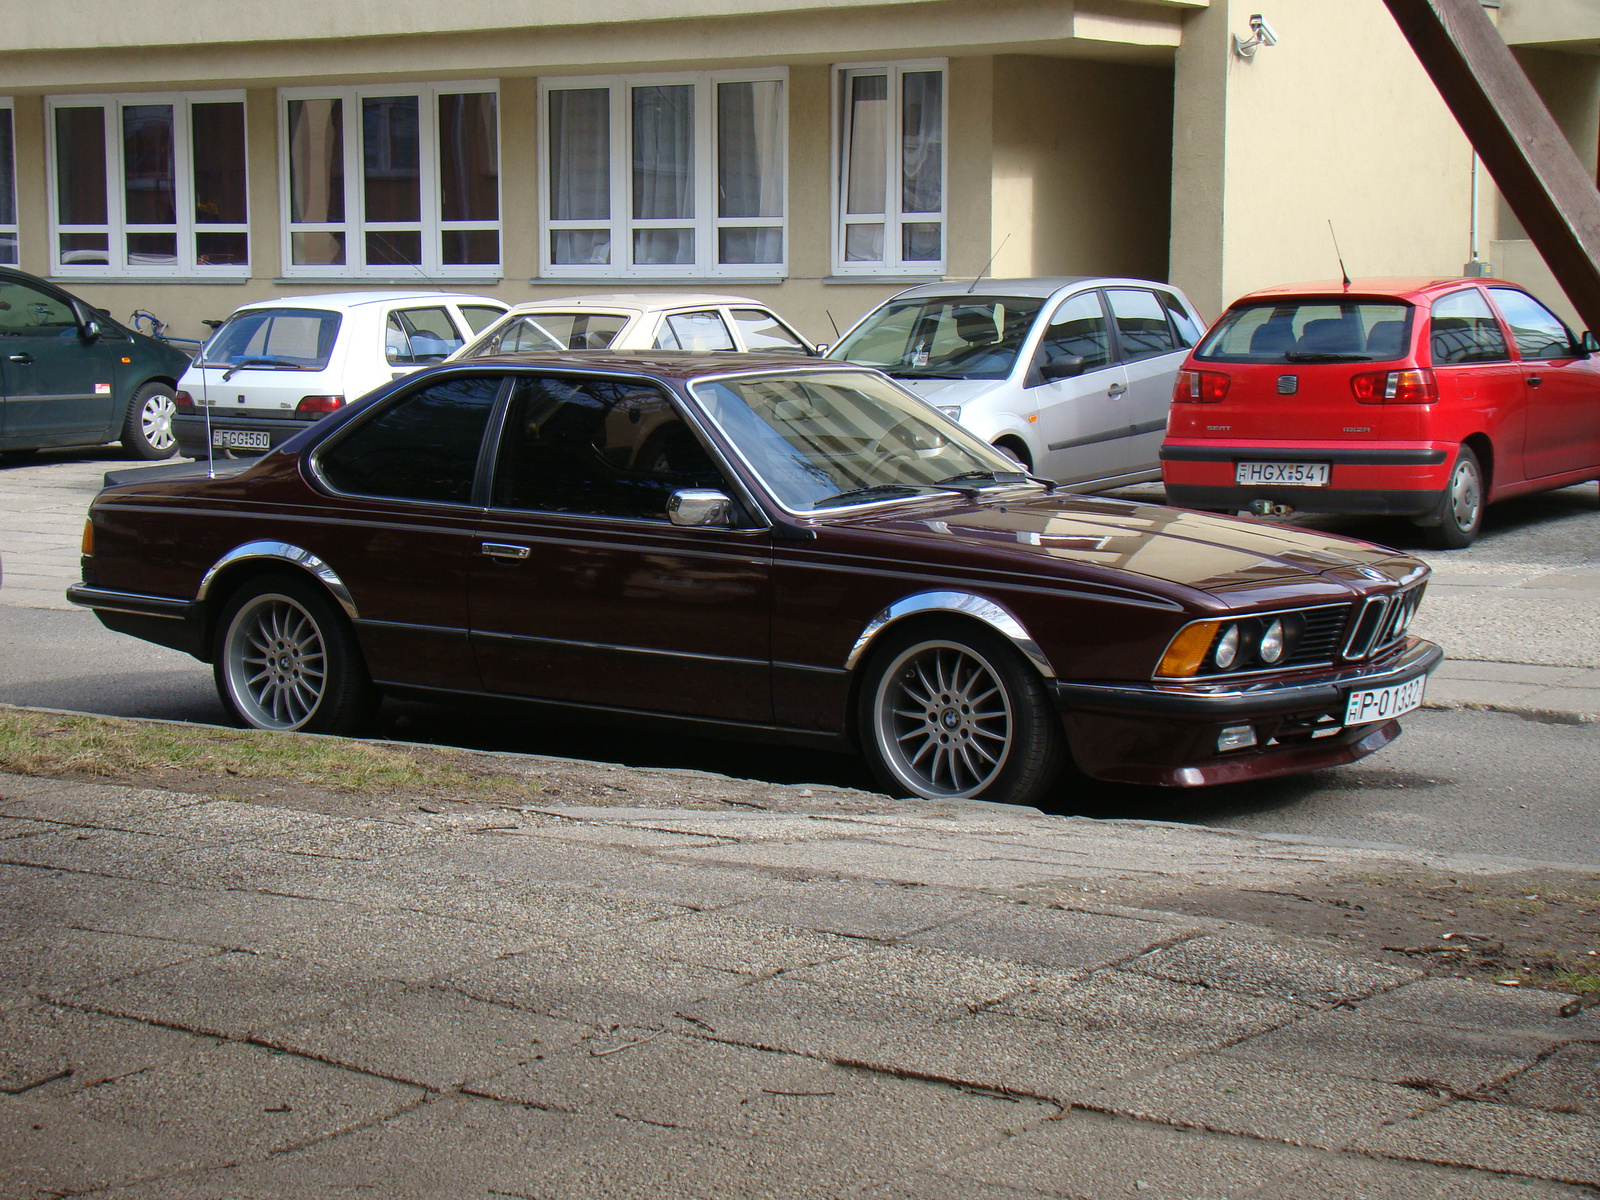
(1338,121)
(1082,167)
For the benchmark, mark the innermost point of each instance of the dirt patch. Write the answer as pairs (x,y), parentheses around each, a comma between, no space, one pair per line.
(1541,929)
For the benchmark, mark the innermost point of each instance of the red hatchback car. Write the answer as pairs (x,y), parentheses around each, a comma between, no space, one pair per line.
(1425,398)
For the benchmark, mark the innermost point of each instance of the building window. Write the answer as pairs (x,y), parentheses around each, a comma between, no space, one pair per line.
(889,171)
(391,181)
(148,185)
(8,186)
(680,175)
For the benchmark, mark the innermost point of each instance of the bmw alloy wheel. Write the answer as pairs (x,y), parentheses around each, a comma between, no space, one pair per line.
(943,720)
(276,662)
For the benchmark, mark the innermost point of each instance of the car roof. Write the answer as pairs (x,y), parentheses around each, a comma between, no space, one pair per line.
(666,364)
(636,301)
(1401,287)
(347,300)
(1042,285)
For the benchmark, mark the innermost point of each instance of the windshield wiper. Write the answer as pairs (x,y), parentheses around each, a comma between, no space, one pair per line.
(257,362)
(882,489)
(1324,356)
(1003,478)
(921,375)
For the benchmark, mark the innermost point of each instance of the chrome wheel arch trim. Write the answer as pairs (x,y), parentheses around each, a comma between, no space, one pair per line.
(959,603)
(283,552)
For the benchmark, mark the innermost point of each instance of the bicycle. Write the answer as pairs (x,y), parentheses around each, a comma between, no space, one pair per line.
(158,330)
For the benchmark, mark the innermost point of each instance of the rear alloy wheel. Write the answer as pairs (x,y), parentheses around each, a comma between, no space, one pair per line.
(286,660)
(147,430)
(1455,523)
(958,715)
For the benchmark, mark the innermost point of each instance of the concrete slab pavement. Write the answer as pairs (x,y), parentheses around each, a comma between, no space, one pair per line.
(663,1003)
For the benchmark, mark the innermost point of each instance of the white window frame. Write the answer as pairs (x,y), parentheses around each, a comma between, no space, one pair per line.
(116,227)
(893,218)
(706,222)
(10,229)
(355,225)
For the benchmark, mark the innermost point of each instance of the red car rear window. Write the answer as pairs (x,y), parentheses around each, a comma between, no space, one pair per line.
(1310,331)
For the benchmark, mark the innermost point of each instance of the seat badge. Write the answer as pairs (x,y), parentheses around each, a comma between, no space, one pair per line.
(1288,385)
(241,399)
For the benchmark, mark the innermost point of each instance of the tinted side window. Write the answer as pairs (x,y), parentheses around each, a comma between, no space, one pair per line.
(1539,333)
(1188,327)
(480,316)
(1464,330)
(423,447)
(694,331)
(596,447)
(28,312)
(1142,326)
(1078,327)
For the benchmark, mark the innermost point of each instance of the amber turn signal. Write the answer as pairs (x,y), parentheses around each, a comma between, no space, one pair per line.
(88,539)
(1187,650)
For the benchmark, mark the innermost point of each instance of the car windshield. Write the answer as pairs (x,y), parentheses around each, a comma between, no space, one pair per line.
(549,331)
(293,338)
(1309,331)
(943,337)
(827,440)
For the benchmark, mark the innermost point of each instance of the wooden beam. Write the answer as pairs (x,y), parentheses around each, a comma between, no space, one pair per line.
(1519,142)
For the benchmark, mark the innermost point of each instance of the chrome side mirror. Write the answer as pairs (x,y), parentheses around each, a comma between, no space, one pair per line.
(822,348)
(699,508)
(1590,343)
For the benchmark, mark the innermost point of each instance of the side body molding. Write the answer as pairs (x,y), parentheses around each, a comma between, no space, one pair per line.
(284,552)
(964,603)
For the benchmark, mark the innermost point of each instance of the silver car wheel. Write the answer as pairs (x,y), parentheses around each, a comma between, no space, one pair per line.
(155,420)
(276,662)
(942,720)
(1466,493)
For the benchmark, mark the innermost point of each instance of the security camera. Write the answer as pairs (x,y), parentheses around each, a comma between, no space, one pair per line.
(1265,34)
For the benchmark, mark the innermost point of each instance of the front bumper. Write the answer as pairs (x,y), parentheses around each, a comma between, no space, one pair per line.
(1166,733)
(191,432)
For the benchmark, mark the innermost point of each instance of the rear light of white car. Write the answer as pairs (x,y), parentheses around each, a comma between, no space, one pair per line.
(182,399)
(1200,387)
(1414,386)
(313,407)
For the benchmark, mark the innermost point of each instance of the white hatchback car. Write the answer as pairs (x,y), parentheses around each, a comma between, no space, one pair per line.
(1072,377)
(273,366)
(626,321)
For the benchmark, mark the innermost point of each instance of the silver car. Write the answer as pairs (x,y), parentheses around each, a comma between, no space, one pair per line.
(1072,377)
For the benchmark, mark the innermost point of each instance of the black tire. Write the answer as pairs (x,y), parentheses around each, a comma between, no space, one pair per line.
(147,429)
(286,659)
(1455,523)
(950,711)
(1011,451)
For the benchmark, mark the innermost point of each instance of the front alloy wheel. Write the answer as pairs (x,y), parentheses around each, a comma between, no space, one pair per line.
(286,660)
(959,716)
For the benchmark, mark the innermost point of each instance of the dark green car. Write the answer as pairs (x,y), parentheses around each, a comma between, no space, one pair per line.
(71,376)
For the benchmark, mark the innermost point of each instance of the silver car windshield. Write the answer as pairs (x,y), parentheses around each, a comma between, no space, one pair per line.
(943,337)
(828,440)
(299,339)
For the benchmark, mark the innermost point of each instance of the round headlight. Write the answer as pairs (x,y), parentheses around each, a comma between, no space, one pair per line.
(1271,648)
(1227,648)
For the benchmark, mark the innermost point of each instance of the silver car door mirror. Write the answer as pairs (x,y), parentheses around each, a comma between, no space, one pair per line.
(699,508)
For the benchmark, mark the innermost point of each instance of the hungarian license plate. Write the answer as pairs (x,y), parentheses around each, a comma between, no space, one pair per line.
(1380,704)
(241,439)
(1284,474)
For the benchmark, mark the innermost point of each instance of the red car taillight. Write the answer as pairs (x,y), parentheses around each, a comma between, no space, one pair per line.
(1200,387)
(182,400)
(318,406)
(1415,386)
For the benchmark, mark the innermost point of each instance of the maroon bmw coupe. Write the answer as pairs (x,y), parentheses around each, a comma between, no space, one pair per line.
(756,543)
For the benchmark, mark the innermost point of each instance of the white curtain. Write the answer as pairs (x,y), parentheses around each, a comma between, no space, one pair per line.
(580,155)
(922,142)
(663,152)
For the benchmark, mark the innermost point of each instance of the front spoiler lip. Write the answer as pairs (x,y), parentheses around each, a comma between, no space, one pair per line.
(1220,702)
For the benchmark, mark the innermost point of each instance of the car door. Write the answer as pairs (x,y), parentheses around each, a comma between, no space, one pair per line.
(1082,417)
(1561,388)
(1480,386)
(418,335)
(701,329)
(59,386)
(761,330)
(401,527)
(1151,353)
(583,592)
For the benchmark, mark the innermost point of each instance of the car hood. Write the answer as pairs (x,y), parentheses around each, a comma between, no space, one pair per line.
(1196,550)
(949,392)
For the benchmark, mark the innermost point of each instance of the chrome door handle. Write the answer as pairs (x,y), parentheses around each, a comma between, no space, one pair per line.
(19,358)
(1535,380)
(504,550)
(1116,389)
